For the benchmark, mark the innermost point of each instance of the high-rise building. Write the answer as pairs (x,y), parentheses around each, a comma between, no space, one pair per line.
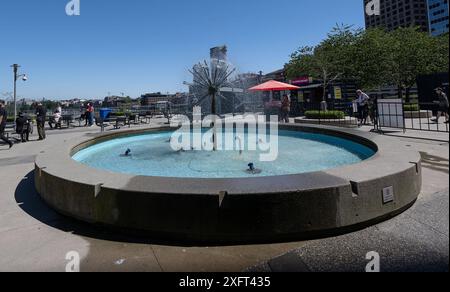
(399,13)
(438,16)
(219,53)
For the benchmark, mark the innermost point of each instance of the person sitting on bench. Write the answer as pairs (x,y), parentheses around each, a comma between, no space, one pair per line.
(23,127)
(55,119)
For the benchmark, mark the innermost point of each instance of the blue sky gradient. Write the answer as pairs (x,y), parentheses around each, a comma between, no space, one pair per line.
(138,46)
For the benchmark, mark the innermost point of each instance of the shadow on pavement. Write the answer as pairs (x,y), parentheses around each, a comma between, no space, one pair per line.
(435,163)
(31,203)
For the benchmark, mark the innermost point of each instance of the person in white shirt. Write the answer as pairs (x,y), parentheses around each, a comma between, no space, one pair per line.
(56,118)
(363,107)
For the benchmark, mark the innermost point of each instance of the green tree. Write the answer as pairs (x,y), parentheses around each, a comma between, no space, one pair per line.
(414,53)
(329,61)
(371,59)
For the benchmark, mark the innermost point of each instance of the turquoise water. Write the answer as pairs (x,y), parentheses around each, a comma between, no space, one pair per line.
(152,155)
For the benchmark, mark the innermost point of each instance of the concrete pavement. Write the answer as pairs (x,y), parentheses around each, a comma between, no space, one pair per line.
(417,240)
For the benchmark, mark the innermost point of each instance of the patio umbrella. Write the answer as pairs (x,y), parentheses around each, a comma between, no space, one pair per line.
(274,86)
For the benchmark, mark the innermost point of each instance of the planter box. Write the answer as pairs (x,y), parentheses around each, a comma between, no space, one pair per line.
(419,115)
(348,122)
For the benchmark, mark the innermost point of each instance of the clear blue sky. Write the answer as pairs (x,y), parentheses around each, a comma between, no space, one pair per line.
(138,46)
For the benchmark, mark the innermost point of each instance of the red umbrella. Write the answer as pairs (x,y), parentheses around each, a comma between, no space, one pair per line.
(274,86)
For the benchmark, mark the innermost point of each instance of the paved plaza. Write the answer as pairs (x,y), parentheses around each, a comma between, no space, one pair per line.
(35,238)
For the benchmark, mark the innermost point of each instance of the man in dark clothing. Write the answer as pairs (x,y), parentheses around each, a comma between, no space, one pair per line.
(41,113)
(443,105)
(3,119)
(23,127)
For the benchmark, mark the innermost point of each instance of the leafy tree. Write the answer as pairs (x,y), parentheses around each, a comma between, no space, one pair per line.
(414,53)
(371,59)
(328,61)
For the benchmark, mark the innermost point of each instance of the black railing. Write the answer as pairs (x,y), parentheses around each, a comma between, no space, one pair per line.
(416,116)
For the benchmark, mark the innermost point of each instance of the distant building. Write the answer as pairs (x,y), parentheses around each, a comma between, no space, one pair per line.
(249,101)
(279,75)
(438,13)
(219,53)
(399,13)
(154,98)
(114,101)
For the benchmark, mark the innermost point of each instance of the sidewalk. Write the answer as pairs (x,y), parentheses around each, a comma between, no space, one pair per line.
(415,134)
(417,240)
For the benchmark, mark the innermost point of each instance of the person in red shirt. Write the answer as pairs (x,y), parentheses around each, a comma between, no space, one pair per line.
(90,113)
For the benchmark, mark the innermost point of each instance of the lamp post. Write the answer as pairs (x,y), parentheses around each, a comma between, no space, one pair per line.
(17,77)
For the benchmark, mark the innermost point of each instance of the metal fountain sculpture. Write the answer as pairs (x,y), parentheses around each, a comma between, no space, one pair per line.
(209,82)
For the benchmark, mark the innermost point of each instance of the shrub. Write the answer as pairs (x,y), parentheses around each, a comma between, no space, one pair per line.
(325,115)
(411,108)
(117,114)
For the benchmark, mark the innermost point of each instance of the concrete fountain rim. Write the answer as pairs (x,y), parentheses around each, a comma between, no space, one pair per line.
(58,161)
(239,210)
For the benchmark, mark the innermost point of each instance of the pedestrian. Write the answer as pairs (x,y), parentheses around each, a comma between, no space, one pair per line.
(443,105)
(285,108)
(91,114)
(373,110)
(41,114)
(90,110)
(3,120)
(363,107)
(86,115)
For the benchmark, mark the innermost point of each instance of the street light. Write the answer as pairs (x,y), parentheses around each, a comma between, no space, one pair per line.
(17,77)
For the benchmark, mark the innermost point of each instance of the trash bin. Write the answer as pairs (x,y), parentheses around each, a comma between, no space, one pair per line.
(105,113)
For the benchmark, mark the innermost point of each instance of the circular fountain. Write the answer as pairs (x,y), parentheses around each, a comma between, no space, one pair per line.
(152,155)
(324,180)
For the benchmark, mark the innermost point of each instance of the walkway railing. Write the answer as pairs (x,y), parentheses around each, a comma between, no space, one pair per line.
(417,116)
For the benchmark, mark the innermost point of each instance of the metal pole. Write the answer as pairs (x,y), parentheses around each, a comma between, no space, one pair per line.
(15,67)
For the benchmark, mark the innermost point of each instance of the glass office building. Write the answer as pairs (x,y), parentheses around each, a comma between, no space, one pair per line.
(438,16)
(399,13)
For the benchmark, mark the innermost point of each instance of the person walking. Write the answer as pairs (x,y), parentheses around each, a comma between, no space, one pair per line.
(443,106)
(363,107)
(41,114)
(3,120)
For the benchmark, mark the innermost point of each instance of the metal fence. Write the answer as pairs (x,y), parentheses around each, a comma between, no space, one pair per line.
(393,114)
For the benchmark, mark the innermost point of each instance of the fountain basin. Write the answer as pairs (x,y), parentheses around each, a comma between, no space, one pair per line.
(235,209)
(152,155)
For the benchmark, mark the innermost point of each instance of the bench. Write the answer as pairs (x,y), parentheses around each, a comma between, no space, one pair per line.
(10,132)
(120,121)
